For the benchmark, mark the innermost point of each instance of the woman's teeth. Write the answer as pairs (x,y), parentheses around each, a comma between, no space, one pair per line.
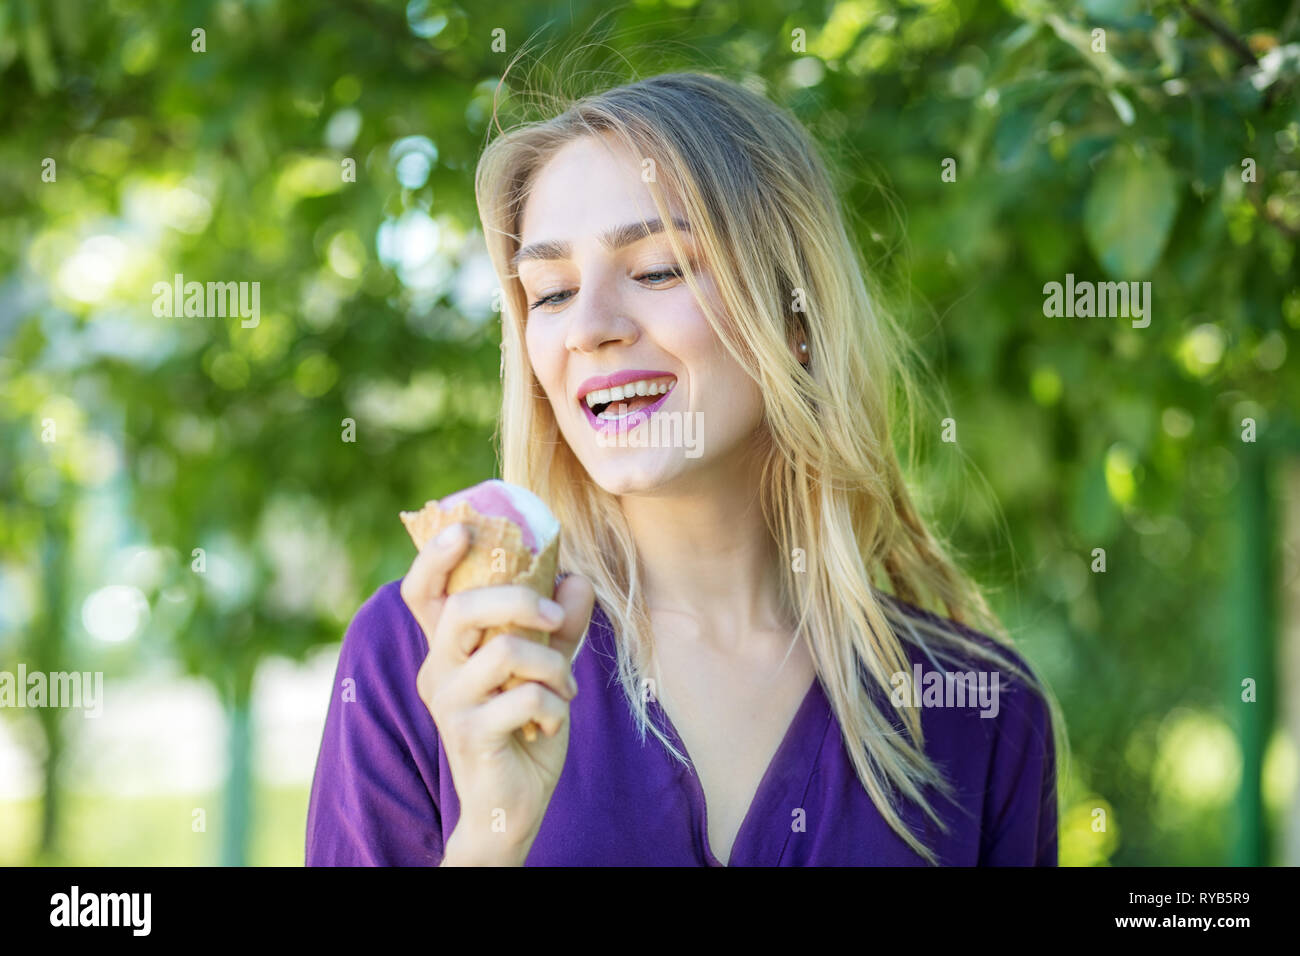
(620,393)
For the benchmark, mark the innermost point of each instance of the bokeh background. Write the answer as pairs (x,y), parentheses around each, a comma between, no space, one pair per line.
(1165,148)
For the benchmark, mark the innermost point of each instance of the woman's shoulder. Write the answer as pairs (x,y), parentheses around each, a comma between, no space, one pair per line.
(957,641)
(383,609)
(949,674)
(992,732)
(383,635)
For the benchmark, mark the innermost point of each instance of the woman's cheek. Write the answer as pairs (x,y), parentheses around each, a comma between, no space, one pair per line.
(686,334)
(543,357)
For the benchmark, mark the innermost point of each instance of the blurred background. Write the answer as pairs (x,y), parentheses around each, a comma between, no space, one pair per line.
(196,506)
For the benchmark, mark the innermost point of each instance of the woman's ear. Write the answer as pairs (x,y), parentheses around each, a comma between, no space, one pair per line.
(799,348)
(797,339)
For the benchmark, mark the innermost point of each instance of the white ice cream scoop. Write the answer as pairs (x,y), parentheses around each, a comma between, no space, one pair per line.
(496,498)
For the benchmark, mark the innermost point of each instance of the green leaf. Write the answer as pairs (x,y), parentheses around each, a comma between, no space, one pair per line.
(1129,211)
(1123,108)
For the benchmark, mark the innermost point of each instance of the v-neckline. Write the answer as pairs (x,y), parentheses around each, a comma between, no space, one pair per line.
(778,757)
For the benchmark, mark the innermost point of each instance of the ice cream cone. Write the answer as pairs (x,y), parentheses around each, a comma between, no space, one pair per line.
(497,555)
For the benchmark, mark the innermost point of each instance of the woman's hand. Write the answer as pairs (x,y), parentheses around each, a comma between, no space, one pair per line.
(504,784)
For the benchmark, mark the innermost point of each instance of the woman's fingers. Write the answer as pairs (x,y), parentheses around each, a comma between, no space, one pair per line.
(506,656)
(576,595)
(467,613)
(505,713)
(454,625)
(424,587)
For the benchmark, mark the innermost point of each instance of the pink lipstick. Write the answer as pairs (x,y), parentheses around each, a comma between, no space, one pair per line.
(644,389)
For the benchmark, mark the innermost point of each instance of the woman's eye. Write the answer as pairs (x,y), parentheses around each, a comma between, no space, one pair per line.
(545,300)
(673,272)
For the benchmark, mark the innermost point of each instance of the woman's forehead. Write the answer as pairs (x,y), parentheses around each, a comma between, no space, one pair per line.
(587,188)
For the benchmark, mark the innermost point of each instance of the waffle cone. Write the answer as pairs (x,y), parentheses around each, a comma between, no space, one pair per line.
(497,555)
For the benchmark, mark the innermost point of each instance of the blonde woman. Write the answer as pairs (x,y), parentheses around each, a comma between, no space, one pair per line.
(697,383)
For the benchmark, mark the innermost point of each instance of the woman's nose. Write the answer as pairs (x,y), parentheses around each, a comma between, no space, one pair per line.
(598,320)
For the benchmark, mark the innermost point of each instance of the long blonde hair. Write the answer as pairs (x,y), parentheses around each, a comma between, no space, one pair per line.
(762,209)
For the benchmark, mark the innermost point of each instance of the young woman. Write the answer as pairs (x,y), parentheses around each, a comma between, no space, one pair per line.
(697,383)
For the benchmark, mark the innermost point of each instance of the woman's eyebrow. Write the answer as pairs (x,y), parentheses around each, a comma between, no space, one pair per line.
(615,238)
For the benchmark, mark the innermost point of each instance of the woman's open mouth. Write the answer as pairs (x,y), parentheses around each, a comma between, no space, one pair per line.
(627,404)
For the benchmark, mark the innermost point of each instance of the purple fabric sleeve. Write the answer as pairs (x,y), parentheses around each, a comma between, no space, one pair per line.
(371,798)
(1020,825)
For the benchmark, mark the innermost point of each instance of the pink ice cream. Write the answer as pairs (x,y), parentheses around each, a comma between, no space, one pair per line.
(498,499)
(514,540)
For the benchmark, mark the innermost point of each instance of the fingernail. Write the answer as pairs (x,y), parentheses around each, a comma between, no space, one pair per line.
(573,687)
(552,611)
(447,536)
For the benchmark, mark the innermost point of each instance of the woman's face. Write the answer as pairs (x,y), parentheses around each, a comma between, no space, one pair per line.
(619,320)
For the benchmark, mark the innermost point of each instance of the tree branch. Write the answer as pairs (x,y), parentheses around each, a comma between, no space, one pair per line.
(1224,32)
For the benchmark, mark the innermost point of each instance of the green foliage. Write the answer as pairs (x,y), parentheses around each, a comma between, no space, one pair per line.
(1124,161)
(1128,212)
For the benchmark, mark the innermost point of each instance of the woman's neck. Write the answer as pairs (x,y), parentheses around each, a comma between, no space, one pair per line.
(708,561)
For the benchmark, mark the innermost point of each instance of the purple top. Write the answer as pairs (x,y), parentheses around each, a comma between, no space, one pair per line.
(383,794)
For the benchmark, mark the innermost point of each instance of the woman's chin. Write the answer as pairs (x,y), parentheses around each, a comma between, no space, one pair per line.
(626,471)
